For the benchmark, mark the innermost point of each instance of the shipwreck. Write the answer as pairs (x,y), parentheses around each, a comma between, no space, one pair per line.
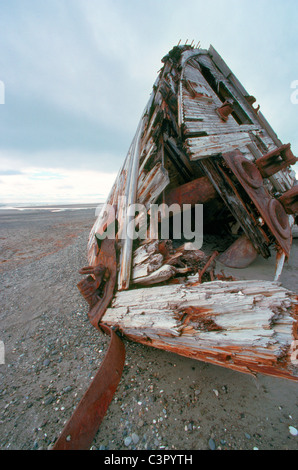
(201,141)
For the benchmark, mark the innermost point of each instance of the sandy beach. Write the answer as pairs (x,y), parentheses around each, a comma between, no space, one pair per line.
(164,401)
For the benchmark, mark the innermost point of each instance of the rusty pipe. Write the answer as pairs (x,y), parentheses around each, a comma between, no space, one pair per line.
(198,191)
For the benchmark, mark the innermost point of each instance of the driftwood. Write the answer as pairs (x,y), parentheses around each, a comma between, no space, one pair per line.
(156,261)
(248,326)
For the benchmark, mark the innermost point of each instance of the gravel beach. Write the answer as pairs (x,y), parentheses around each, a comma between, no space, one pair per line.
(163,401)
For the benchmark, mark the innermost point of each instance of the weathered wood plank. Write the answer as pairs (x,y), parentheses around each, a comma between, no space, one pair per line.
(196,126)
(204,147)
(249,326)
(151,185)
(146,259)
(130,194)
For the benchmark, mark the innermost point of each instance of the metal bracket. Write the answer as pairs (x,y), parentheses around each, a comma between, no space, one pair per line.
(98,287)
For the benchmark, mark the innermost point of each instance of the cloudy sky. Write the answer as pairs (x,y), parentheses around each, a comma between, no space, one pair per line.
(78,74)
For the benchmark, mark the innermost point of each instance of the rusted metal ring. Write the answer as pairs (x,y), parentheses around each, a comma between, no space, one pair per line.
(279,218)
(249,172)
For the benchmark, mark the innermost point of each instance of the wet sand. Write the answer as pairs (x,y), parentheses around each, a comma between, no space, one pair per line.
(163,401)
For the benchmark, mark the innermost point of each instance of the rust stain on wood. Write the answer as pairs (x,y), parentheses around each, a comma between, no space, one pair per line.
(198,319)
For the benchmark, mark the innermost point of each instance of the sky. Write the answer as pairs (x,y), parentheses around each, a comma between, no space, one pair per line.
(76,75)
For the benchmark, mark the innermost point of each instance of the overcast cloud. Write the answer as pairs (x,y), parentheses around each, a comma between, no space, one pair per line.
(78,74)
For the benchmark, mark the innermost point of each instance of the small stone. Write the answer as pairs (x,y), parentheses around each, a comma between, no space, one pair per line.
(247,436)
(68,438)
(49,401)
(127,441)
(135,438)
(293,431)
(46,362)
(212,444)
(216,392)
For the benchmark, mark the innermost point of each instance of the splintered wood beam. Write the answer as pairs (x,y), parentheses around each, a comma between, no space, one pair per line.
(131,192)
(247,326)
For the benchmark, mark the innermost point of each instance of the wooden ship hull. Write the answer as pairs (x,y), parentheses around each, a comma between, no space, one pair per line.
(201,141)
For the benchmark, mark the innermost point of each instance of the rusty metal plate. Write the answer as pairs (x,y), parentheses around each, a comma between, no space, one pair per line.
(98,288)
(240,254)
(289,200)
(270,210)
(276,160)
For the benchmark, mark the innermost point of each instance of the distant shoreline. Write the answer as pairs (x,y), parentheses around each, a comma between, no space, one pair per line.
(47,206)
(18,207)
(23,209)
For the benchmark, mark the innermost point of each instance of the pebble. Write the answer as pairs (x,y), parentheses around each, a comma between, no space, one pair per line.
(49,401)
(127,441)
(46,362)
(212,444)
(135,438)
(293,431)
